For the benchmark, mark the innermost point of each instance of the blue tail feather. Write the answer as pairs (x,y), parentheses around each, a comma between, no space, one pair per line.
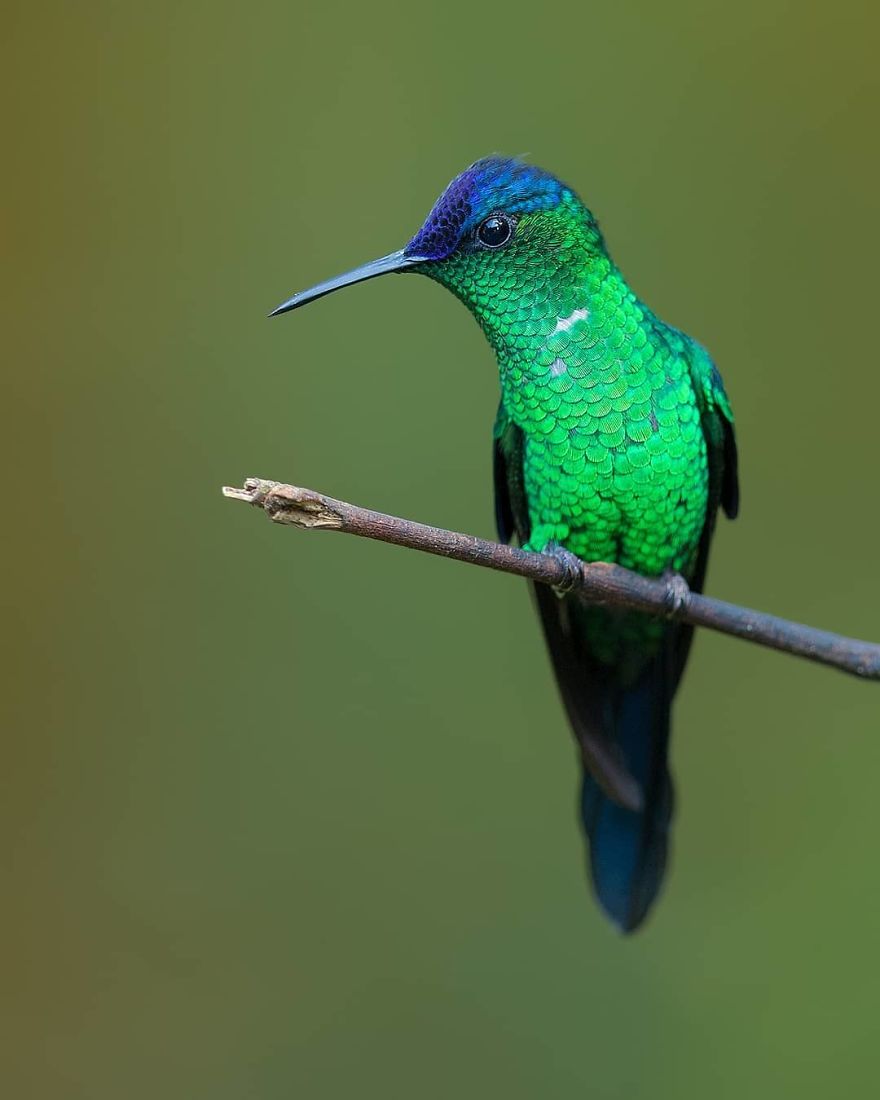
(628,849)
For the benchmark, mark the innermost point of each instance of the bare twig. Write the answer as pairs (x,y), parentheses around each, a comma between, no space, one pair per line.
(597,582)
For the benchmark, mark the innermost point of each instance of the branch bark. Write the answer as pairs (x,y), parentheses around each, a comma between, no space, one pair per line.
(597,582)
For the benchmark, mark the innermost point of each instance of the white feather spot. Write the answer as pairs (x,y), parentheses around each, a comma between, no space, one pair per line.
(565,323)
(557,367)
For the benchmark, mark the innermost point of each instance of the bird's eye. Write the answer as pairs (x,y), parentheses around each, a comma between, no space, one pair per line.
(495,231)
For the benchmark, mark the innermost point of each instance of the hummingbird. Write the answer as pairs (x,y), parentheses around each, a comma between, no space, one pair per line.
(614,442)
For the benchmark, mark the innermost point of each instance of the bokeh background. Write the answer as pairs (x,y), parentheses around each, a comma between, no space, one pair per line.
(293,815)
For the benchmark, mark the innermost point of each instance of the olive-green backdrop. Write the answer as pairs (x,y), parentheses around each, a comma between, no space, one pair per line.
(293,815)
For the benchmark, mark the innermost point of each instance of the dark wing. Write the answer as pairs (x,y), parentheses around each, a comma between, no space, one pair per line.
(511,507)
(716,420)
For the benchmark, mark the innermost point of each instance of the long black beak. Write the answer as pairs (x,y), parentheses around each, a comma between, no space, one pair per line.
(396,261)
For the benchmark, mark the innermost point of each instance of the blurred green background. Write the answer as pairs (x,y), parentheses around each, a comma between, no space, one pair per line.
(291,815)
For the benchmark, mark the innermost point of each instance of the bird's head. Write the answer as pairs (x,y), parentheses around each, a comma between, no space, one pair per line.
(504,237)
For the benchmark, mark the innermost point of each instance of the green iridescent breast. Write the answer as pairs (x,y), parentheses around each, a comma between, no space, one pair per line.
(615,460)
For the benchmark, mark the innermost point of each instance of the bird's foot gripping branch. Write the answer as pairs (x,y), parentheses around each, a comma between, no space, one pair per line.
(597,582)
